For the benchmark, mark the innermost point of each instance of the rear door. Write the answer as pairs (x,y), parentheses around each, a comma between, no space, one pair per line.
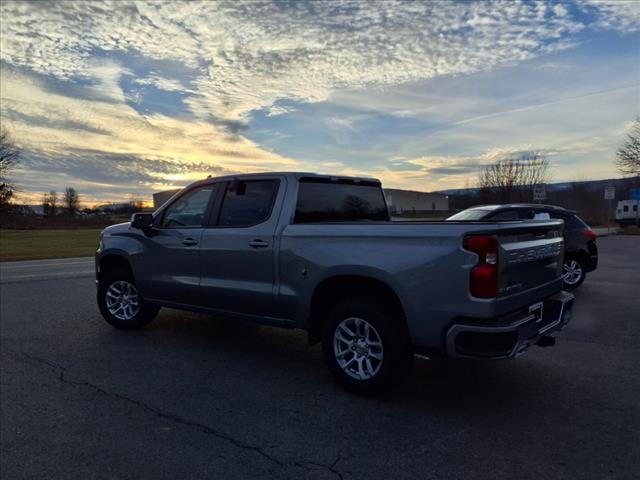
(237,252)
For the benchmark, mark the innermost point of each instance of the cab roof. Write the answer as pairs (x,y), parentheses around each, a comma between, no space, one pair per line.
(296,176)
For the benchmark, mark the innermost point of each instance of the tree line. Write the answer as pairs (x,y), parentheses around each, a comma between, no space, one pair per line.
(69,203)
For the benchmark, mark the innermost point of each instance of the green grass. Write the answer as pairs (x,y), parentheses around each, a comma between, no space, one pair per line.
(39,244)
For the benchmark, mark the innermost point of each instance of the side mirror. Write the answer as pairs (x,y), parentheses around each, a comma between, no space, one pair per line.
(143,221)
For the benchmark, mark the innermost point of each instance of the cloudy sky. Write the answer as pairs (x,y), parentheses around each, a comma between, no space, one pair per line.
(120,99)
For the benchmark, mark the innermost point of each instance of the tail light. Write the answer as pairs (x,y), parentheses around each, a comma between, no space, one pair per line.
(589,234)
(483,279)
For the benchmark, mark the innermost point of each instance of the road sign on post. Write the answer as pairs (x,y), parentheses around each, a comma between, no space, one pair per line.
(609,193)
(539,193)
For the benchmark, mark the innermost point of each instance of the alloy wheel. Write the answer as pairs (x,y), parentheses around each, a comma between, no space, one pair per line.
(357,347)
(572,272)
(122,300)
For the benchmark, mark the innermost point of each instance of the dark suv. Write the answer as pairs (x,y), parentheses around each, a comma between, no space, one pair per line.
(580,253)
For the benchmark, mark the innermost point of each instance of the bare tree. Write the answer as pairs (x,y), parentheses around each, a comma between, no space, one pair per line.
(513,179)
(50,203)
(9,157)
(628,155)
(71,201)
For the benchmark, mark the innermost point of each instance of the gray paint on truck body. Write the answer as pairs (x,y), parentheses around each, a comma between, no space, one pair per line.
(424,263)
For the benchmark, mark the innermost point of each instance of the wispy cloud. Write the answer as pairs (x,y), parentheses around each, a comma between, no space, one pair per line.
(248,55)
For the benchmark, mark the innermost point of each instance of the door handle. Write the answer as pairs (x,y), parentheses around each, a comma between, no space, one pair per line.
(257,243)
(189,242)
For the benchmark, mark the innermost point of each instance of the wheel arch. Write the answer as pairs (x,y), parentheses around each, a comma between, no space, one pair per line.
(111,262)
(330,291)
(577,254)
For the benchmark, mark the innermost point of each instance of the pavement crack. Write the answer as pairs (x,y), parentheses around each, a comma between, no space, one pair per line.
(330,468)
(63,377)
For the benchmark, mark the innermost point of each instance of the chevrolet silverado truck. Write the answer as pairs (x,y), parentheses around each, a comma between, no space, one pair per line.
(320,253)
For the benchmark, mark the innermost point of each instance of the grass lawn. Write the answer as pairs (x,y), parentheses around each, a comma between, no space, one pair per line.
(38,244)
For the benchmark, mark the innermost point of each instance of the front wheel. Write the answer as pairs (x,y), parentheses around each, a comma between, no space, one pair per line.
(121,304)
(573,273)
(365,347)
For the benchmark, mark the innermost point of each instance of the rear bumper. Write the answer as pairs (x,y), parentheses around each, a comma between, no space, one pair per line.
(591,257)
(591,263)
(510,335)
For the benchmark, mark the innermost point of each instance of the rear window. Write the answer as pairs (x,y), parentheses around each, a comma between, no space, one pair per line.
(576,222)
(470,214)
(508,215)
(571,222)
(320,201)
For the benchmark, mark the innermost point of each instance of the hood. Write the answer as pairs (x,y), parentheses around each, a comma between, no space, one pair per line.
(118,228)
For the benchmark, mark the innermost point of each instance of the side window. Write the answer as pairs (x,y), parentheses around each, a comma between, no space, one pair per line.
(247,203)
(189,210)
(626,208)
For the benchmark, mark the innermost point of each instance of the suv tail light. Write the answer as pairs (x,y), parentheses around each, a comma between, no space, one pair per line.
(483,279)
(589,234)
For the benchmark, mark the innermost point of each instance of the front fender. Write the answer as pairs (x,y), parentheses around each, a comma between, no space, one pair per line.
(127,244)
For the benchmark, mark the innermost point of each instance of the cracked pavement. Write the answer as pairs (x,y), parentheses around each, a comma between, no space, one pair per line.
(198,397)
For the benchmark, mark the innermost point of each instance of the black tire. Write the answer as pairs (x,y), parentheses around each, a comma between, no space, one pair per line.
(145,313)
(569,264)
(397,353)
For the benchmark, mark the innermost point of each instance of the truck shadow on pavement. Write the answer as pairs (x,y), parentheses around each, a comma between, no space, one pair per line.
(279,362)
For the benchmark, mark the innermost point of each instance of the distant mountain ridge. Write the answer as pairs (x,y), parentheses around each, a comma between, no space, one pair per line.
(554,187)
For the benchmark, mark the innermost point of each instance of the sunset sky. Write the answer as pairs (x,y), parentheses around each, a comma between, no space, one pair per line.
(121,99)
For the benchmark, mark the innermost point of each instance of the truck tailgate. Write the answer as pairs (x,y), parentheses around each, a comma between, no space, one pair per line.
(529,256)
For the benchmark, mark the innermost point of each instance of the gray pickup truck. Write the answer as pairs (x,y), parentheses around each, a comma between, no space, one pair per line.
(320,253)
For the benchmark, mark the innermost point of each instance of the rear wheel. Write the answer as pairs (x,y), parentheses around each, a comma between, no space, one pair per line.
(573,273)
(120,303)
(366,347)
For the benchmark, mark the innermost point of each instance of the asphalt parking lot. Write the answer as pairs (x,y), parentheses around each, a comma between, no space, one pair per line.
(198,397)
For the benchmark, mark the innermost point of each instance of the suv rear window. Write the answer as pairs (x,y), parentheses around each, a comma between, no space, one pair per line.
(323,201)
(511,214)
(470,214)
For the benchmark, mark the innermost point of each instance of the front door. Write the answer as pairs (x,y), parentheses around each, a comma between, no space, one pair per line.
(237,252)
(172,256)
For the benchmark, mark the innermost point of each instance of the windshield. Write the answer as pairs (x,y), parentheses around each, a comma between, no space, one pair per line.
(470,214)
